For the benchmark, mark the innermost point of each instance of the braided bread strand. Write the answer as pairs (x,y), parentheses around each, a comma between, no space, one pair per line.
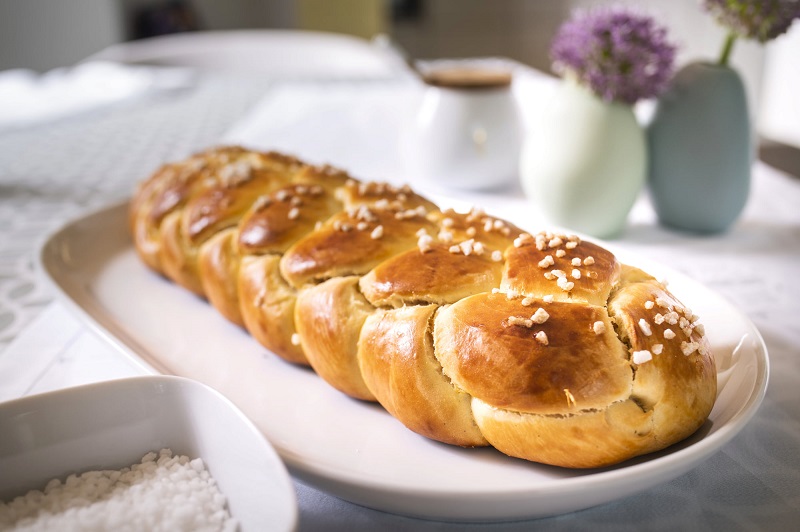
(465,328)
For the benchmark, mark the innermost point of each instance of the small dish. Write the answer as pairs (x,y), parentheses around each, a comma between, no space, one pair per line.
(113,424)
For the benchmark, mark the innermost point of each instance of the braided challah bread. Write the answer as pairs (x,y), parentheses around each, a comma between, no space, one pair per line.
(465,328)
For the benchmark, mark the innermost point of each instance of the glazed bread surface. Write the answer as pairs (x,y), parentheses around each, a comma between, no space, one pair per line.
(464,327)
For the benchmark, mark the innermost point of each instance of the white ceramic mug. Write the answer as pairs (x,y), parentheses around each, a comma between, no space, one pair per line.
(467,131)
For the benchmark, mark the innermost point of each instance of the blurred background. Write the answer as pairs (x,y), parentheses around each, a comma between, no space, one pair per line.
(45,34)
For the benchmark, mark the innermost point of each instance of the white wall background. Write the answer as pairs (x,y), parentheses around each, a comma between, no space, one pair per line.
(44,34)
(523,30)
(779,111)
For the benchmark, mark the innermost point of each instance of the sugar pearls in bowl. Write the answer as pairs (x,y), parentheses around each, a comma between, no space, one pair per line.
(148,453)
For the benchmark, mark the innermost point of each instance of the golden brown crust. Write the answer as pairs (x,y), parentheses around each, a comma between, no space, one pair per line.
(154,198)
(176,257)
(204,194)
(399,366)
(535,264)
(560,366)
(277,220)
(596,438)
(329,319)
(218,264)
(273,221)
(381,196)
(673,390)
(267,305)
(463,255)
(679,377)
(340,248)
(166,191)
(435,276)
(493,233)
(462,326)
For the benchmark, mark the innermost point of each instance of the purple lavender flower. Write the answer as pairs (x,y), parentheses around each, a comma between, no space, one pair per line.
(762,20)
(621,56)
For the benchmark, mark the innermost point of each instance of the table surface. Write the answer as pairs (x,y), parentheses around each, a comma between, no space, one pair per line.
(53,172)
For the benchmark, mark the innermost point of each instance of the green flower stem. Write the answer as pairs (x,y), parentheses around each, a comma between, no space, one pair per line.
(726,49)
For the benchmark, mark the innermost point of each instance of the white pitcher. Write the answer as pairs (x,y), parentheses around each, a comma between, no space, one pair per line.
(467,132)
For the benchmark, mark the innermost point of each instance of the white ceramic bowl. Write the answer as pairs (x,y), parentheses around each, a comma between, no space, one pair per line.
(113,424)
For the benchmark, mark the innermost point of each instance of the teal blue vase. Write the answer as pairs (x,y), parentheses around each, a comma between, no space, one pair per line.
(700,150)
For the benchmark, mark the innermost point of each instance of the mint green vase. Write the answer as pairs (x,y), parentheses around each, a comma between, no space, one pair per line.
(700,150)
(584,162)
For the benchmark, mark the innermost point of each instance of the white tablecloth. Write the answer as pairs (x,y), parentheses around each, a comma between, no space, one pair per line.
(50,174)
